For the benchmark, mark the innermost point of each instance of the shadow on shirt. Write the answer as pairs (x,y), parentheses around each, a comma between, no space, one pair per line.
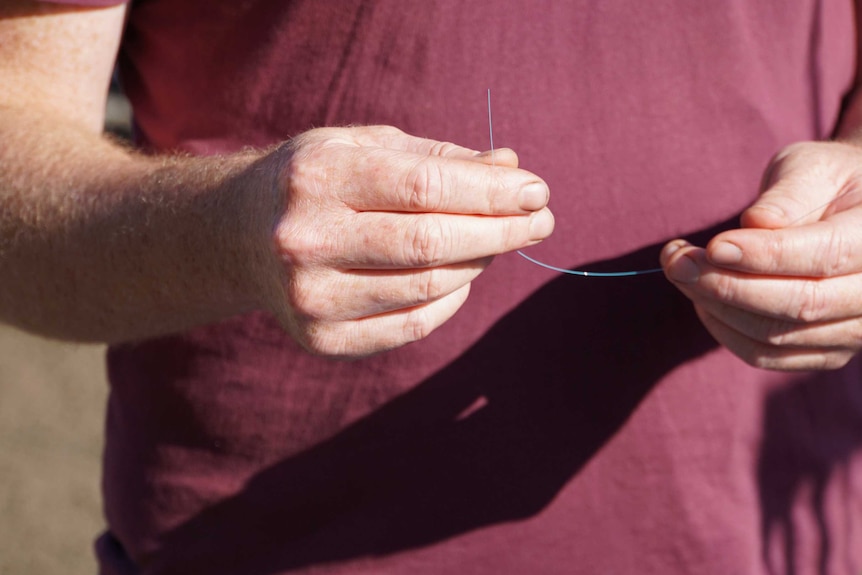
(811,430)
(491,438)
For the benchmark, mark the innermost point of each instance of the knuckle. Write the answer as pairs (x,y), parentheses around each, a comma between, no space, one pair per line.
(386,130)
(297,246)
(778,333)
(837,254)
(303,301)
(813,302)
(427,285)
(514,232)
(759,361)
(314,345)
(725,288)
(809,153)
(298,172)
(423,185)
(774,250)
(310,305)
(428,242)
(310,335)
(810,150)
(327,340)
(756,355)
(791,149)
(417,325)
(491,183)
(444,149)
(783,157)
(307,162)
(315,165)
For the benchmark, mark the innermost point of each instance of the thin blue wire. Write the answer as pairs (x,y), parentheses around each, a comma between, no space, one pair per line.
(554,268)
(491,128)
(589,274)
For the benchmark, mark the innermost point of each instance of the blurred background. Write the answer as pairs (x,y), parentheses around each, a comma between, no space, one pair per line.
(52,398)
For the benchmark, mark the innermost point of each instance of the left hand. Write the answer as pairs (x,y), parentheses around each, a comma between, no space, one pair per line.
(785,291)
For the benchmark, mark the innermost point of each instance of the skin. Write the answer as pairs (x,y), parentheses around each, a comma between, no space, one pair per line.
(99,243)
(90,249)
(782,292)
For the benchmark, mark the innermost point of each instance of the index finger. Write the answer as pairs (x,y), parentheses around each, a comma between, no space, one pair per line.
(792,299)
(402,181)
(392,138)
(821,249)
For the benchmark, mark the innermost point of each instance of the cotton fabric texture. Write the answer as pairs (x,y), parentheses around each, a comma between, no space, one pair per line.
(556,424)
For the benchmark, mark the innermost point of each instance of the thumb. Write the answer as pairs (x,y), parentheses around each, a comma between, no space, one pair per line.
(800,184)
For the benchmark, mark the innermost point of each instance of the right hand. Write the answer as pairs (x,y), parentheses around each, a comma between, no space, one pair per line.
(381,233)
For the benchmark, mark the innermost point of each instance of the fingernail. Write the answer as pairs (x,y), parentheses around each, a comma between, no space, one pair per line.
(533,196)
(541,225)
(684,270)
(725,253)
(672,248)
(773,209)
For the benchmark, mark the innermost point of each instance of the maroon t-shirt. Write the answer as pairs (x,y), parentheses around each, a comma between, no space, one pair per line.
(556,424)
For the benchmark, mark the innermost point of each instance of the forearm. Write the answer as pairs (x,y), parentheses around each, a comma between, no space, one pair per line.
(101,244)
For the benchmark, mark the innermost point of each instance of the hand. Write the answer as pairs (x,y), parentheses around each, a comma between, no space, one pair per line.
(785,291)
(382,233)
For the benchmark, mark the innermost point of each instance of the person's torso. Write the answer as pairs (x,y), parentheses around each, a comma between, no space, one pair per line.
(556,424)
